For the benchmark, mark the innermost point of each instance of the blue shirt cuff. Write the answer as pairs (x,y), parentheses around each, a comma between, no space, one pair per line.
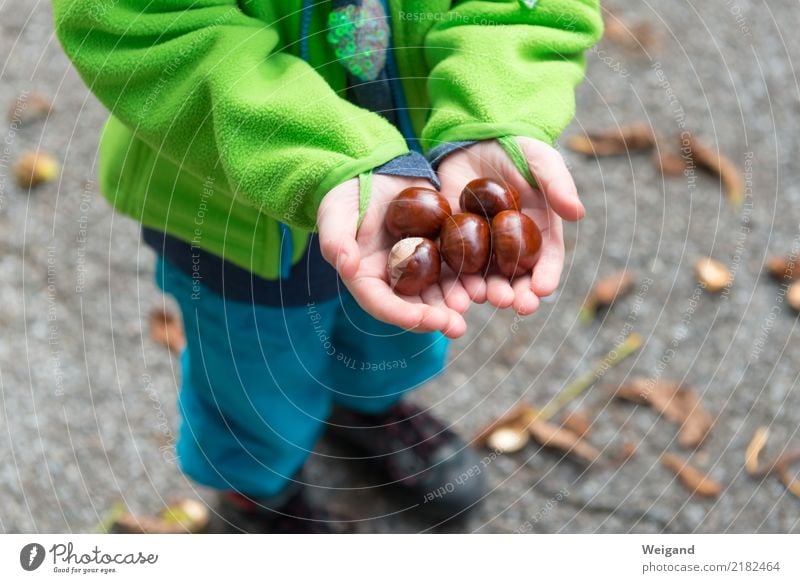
(411,165)
(437,155)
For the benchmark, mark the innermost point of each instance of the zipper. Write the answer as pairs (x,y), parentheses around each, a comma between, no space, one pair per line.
(305,27)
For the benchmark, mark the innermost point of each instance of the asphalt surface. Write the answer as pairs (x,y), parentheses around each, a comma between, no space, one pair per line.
(87,413)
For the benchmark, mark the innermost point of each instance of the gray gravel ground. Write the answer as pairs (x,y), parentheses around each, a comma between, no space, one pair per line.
(88,410)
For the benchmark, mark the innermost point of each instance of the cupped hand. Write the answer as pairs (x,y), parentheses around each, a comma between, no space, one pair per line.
(556,198)
(360,254)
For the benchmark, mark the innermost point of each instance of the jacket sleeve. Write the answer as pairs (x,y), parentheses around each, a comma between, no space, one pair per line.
(502,69)
(208,87)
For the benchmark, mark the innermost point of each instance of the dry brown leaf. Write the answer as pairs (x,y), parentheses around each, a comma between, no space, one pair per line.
(166,329)
(626,451)
(640,35)
(669,165)
(694,480)
(520,414)
(793,296)
(754,449)
(772,467)
(35,168)
(792,484)
(578,422)
(130,524)
(549,435)
(184,517)
(508,439)
(29,108)
(608,289)
(705,157)
(783,269)
(676,403)
(188,513)
(666,397)
(697,422)
(613,141)
(638,389)
(667,161)
(658,393)
(714,276)
(605,292)
(782,468)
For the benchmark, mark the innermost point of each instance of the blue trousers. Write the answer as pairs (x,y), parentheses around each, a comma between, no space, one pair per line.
(258,382)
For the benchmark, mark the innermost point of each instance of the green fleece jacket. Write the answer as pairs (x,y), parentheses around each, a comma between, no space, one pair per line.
(220,132)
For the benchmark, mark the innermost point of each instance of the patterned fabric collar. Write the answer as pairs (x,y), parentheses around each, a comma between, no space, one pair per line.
(359,34)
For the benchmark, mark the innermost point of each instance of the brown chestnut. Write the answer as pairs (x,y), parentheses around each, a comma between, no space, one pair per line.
(484,196)
(413,265)
(465,243)
(515,241)
(417,212)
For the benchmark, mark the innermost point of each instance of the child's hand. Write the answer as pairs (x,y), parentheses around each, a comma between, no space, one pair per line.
(361,259)
(557,198)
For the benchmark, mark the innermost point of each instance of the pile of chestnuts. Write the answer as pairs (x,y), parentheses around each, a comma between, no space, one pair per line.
(489,232)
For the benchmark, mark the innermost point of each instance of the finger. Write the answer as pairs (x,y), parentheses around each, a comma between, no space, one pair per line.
(336,223)
(377,298)
(499,291)
(475,286)
(433,296)
(455,296)
(547,271)
(554,179)
(525,301)
(457,326)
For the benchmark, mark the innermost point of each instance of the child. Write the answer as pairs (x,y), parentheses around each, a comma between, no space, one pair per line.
(238,128)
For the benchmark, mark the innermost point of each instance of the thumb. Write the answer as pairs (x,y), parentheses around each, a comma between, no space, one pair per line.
(337,220)
(554,179)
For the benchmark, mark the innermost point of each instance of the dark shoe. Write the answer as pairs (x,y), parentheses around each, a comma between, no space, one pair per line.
(289,512)
(432,465)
